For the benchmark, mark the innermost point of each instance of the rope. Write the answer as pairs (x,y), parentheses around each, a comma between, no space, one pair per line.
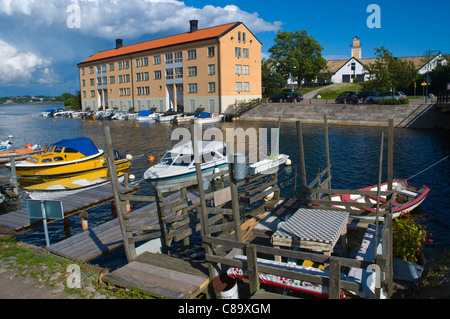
(429,167)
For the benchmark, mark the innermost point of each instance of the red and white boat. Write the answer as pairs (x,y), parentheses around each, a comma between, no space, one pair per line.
(406,199)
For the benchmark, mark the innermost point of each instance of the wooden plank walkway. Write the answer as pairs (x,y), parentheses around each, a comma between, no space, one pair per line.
(96,241)
(18,221)
(161,276)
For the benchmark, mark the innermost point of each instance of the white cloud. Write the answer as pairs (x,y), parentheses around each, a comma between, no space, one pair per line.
(22,67)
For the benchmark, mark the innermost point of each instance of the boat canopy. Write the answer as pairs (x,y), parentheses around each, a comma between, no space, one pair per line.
(84,145)
(203,115)
(145,113)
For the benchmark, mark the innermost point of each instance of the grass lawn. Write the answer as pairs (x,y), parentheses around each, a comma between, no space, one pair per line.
(333,92)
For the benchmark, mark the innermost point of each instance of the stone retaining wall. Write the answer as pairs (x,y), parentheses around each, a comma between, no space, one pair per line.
(414,116)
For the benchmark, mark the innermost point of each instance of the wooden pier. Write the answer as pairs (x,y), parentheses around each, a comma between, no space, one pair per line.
(18,221)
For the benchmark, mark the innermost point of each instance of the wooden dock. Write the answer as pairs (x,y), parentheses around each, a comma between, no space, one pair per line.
(18,221)
(94,242)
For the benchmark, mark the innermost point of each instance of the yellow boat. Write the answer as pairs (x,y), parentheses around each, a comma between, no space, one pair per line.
(70,154)
(70,185)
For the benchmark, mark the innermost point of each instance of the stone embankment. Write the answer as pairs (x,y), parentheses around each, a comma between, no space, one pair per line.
(413,115)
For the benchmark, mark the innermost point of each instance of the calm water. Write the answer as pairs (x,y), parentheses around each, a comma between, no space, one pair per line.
(354,153)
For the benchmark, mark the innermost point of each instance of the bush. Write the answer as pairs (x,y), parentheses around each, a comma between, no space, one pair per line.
(393,102)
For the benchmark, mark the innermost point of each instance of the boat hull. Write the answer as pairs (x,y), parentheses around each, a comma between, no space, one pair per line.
(407,199)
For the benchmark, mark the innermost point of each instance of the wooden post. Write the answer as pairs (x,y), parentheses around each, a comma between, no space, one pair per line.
(252,266)
(301,154)
(15,182)
(84,221)
(234,195)
(335,278)
(162,224)
(390,175)
(380,170)
(67,226)
(327,152)
(130,250)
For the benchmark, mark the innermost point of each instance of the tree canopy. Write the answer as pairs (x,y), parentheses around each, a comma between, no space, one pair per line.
(387,71)
(297,54)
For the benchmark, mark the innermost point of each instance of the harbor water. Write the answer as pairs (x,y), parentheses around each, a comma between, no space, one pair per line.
(354,153)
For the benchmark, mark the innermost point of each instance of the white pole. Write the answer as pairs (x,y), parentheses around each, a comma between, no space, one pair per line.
(44,221)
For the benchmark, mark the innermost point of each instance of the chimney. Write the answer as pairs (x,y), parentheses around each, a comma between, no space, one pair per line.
(194,25)
(119,43)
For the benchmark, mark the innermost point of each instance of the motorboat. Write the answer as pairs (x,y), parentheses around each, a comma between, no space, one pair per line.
(20,153)
(147,115)
(70,185)
(6,144)
(267,165)
(179,161)
(168,118)
(207,117)
(182,118)
(67,153)
(406,199)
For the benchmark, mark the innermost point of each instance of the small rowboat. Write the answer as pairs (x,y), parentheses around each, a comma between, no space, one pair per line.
(18,154)
(406,199)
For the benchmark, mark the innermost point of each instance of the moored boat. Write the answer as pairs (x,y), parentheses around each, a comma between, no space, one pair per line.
(207,117)
(406,199)
(63,153)
(19,154)
(179,161)
(70,185)
(146,115)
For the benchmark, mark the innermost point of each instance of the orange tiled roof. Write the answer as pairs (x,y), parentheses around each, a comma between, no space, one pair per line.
(163,42)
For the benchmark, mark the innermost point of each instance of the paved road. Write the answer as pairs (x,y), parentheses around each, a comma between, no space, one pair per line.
(312,94)
(13,286)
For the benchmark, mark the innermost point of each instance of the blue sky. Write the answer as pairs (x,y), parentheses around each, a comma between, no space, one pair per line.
(41,42)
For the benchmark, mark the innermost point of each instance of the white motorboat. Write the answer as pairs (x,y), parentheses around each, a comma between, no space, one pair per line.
(146,115)
(207,117)
(267,165)
(179,161)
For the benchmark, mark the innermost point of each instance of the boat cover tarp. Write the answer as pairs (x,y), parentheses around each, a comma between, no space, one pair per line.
(203,115)
(84,145)
(145,113)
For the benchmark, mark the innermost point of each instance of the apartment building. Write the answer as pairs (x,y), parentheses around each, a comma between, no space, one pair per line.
(210,68)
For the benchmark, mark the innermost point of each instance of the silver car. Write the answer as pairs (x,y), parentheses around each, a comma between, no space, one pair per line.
(386,96)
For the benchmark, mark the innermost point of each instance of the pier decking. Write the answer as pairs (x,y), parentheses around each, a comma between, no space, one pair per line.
(18,221)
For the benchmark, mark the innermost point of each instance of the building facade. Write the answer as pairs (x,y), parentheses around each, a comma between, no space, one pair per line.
(210,68)
(345,71)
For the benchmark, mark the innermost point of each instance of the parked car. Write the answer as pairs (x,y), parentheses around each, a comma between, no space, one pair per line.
(297,97)
(347,97)
(281,97)
(386,96)
(363,95)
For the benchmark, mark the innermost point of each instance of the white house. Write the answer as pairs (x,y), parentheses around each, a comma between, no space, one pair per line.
(343,71)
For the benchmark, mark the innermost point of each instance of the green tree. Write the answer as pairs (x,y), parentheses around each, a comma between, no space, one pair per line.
(297,54)
(387,71)
(271,80)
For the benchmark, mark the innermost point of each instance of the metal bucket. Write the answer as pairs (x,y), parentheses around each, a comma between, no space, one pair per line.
(239,166)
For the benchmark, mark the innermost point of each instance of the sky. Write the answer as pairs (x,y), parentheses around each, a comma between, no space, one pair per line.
(42,41)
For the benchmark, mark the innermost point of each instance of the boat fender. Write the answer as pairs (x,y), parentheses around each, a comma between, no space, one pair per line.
(35,147)
(129,157)
(28,145)
(288,162)
(151,158)
(131,177)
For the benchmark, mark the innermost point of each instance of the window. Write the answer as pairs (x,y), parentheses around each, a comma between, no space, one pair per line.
(178,57)
(99,69)
(146,76)
(83,82)
(239,36)
(84,94)
(157,59)
(147,90)
(245,53)
(121,92)
(243,36)
(192,54)
(211,106)
(139,91)
(246,86)
(82,71)
(127,78)
(103,68)
(211,51)
(91,69)
(192,87)
(92,93)
(91,81)
(178,73)
(111,66)
(128,91)
(138,62)
(212,87)
(112,79)
(126,65)
(238,69)
(120,78)
(119,65)
(246,69)
(99,80)
(237,52)
(157,75)
(169,58)
(192,71)
(211,69)
(238,86)
(138,76)
(169,74)
(145,61)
